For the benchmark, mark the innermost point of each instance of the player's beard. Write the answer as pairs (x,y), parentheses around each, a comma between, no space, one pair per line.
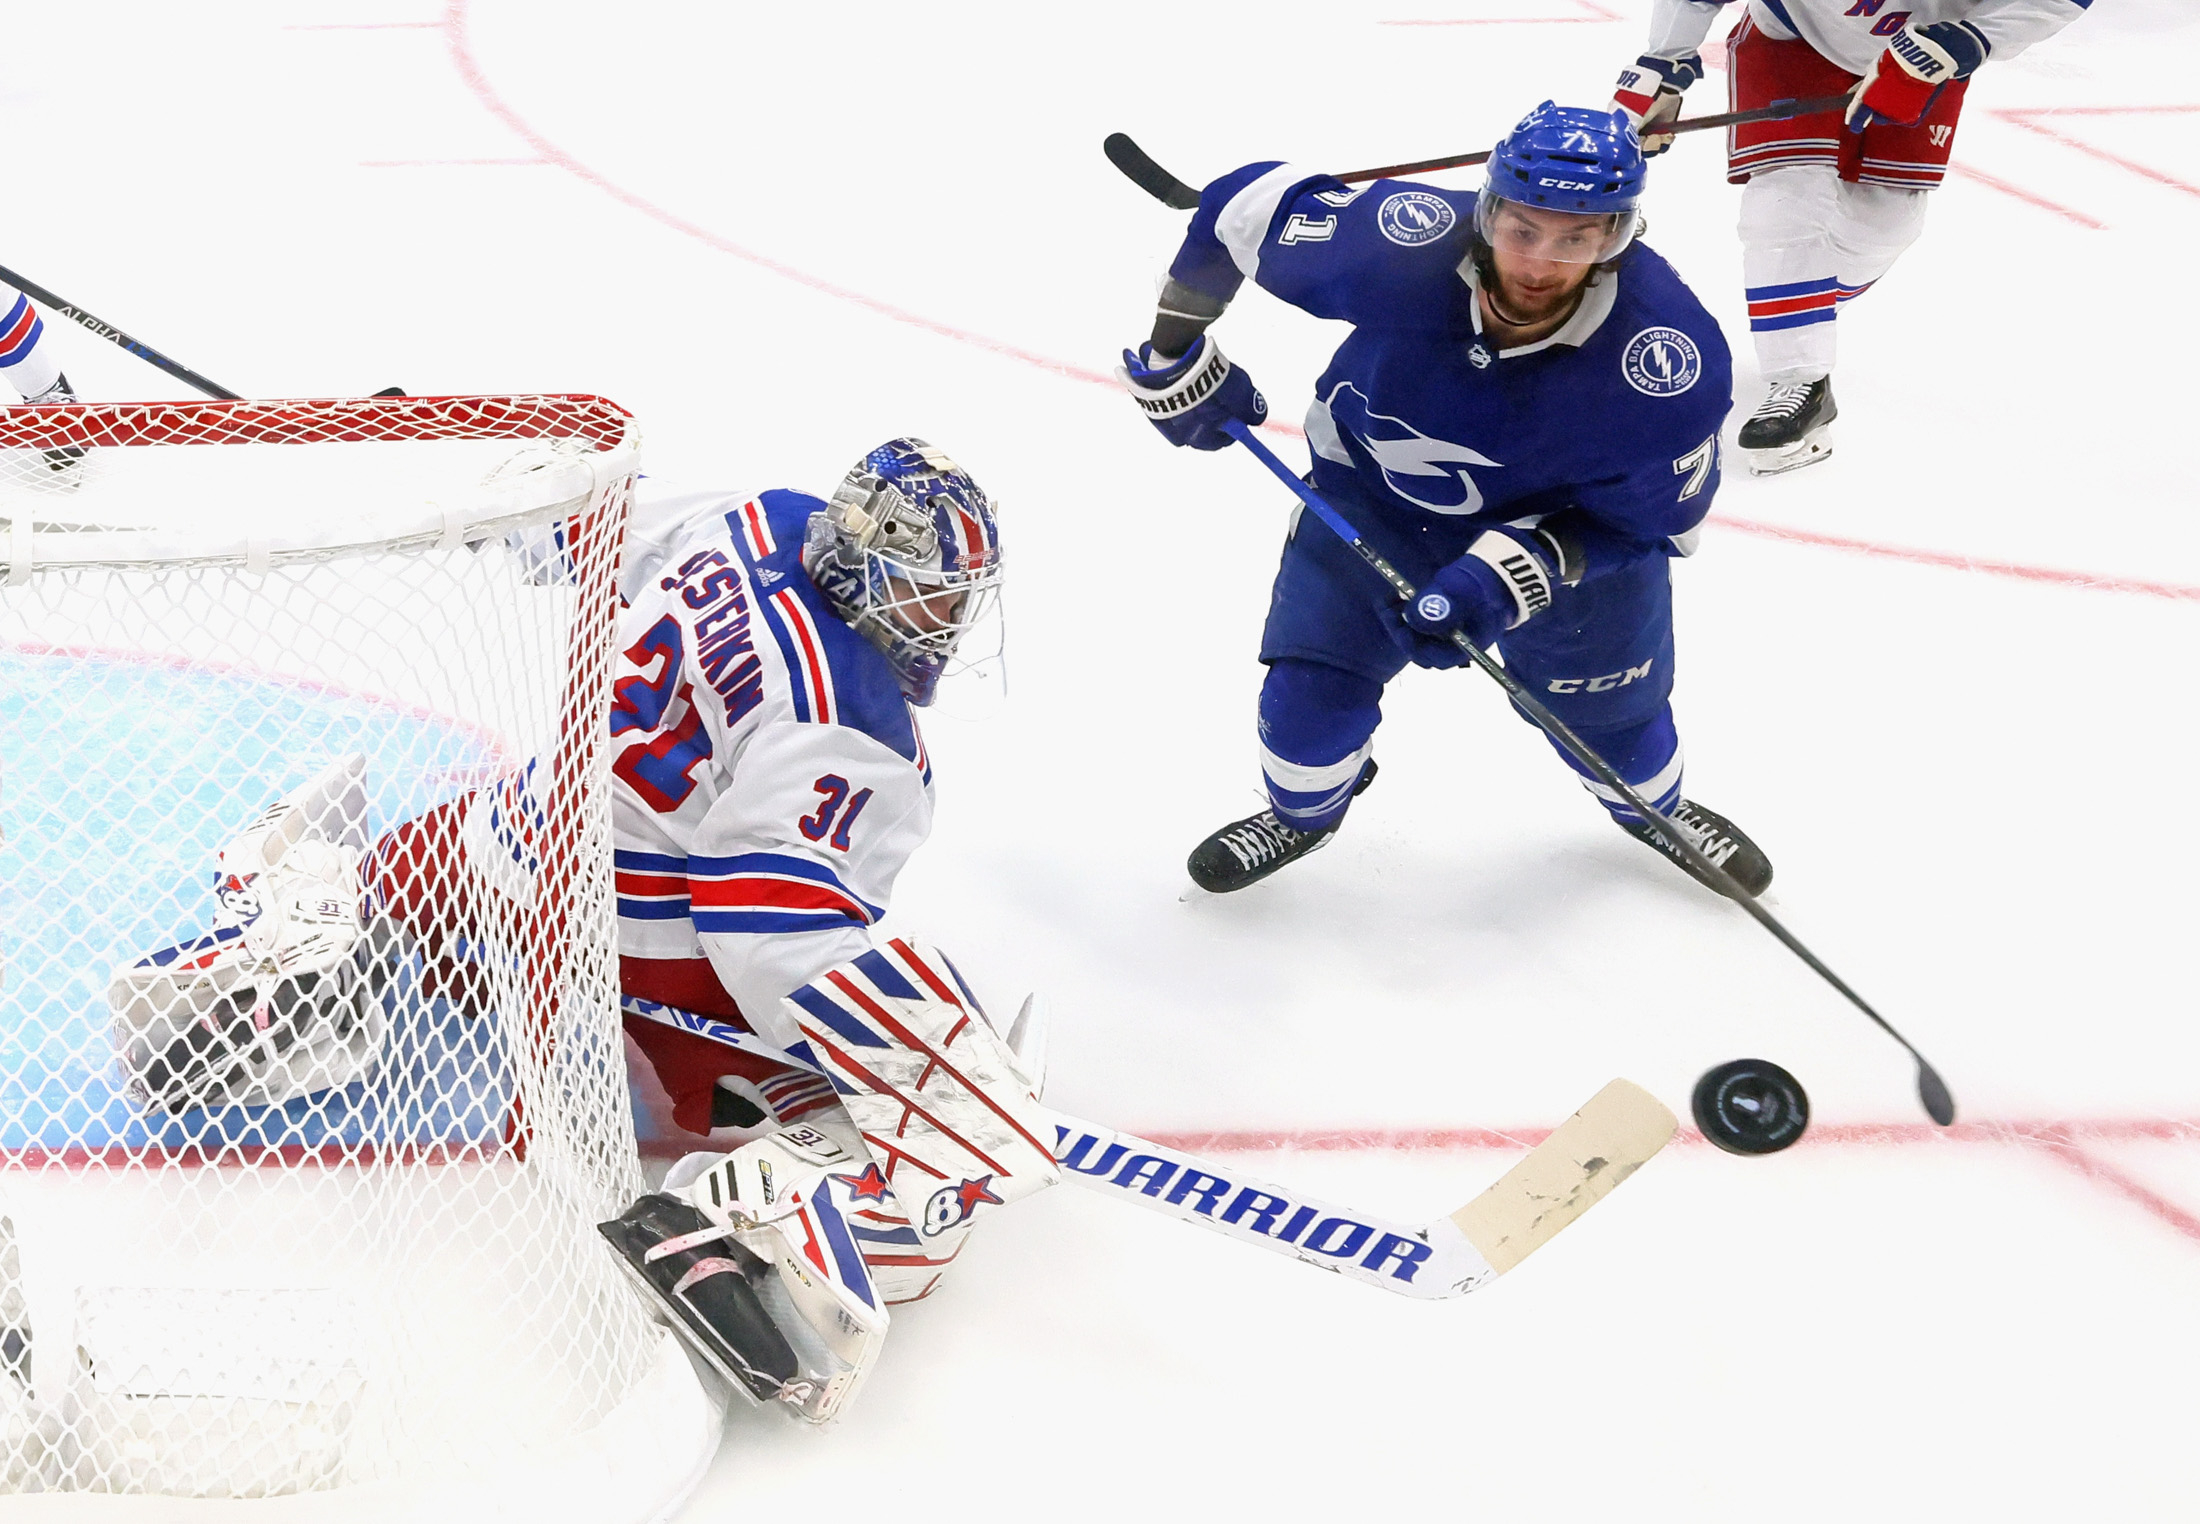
(1524,307)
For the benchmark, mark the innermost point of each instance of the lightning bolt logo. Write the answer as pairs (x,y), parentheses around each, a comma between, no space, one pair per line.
(1418,467)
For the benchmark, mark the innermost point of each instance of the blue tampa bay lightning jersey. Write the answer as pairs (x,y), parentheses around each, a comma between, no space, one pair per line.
(1423,419)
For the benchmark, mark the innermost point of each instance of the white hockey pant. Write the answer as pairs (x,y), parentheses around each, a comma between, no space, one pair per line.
(1811,241)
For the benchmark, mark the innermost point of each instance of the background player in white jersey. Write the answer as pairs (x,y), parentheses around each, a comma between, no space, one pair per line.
(1828,201)
(29,365)
(769,784)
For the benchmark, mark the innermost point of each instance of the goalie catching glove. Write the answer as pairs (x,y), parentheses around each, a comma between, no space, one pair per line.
(817,1229)
(276,1000)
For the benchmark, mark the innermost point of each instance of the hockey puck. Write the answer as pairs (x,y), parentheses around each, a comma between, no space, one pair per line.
(1751,1106)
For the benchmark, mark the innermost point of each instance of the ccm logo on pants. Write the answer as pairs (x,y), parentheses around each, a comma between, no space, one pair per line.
(1604,684)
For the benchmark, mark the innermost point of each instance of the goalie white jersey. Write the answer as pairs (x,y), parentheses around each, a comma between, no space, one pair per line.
(769,781)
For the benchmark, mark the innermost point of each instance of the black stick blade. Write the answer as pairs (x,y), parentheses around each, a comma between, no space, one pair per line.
(1147,175)
(1933,1091)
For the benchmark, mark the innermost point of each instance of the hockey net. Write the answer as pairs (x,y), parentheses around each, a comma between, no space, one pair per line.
(314,1220)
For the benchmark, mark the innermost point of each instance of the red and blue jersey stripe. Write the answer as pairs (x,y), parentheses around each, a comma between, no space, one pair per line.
(767,892)
(19,332)
(651,886)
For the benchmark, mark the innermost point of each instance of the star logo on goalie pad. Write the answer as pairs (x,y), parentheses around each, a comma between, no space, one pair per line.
(952,1205)
(868,1186)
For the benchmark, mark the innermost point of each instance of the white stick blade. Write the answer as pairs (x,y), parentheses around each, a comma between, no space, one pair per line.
(1569,1172)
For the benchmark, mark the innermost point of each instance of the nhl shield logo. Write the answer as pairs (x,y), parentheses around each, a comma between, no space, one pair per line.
(1415,217)
(1661,362)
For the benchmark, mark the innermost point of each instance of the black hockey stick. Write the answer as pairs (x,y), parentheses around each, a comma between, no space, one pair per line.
(116,336)
(1166,188)
(1932,1090)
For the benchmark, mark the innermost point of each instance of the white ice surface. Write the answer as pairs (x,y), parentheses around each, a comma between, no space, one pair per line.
(780,234)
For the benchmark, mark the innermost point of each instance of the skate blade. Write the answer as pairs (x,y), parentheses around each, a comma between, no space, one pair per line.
(759,1387)
(1807,451)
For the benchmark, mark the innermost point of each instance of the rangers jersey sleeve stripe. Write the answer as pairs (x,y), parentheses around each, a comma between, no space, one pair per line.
(727,890)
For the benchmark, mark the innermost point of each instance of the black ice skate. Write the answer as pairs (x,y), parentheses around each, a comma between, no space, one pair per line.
(693,1269)
(1249,850)
(60,457)
(1717,838)
(1788,430)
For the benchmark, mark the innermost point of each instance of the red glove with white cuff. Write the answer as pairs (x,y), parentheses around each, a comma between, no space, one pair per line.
(1919,62)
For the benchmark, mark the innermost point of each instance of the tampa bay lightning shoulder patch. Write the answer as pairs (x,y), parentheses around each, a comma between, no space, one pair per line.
(1661,362)
(1415,217)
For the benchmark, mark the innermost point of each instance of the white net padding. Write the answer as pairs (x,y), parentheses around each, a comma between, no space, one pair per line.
(302,1147)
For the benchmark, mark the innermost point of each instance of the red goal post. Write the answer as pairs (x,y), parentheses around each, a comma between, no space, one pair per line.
(281,1213)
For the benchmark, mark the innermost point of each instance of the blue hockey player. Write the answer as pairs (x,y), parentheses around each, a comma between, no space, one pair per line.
(1524,420)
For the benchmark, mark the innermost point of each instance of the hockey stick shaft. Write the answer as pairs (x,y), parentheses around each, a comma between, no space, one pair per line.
(1777,111)
(1579,1164)
(1140,169)
(117,337)
(1932,1090)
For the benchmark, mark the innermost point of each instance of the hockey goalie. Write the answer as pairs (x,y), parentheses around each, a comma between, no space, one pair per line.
(768,785)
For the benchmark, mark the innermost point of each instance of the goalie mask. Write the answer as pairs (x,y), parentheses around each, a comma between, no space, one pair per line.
(907,552)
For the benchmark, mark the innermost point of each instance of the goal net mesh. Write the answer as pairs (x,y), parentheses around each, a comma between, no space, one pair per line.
(299,1167)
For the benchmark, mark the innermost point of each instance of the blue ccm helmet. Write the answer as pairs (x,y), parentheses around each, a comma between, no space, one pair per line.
(907,551)
(1567,159)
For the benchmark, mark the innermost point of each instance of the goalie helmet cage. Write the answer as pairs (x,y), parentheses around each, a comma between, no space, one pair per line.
(318,1234)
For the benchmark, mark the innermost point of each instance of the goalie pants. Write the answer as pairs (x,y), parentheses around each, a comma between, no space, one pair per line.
(417,874)
(1600,657)
(1825,211)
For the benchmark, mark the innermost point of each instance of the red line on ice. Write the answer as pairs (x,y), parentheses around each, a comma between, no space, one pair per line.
(1410,1139)
(2068,214)
(2027,118)
(2064,1140)
(470,71)
(1955,560)
(2061,1143)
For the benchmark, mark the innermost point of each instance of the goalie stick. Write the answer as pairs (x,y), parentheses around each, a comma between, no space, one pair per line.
(1932,1090)
(1578,1165)
(1138,166)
